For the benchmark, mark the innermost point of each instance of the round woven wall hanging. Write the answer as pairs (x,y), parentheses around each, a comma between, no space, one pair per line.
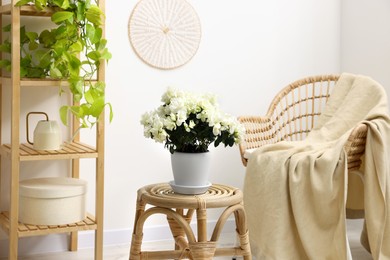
(165,34)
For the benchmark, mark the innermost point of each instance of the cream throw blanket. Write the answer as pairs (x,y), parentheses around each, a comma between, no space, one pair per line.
(295,192)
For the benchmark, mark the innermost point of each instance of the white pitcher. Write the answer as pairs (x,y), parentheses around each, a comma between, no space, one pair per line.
(47,134)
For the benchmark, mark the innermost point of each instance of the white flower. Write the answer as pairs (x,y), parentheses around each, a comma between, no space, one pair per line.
(192,124)
(181,117)
(170,123)
(211,98)
(170,94)
(176,105)
(217,129)
(187,127)
(154,127)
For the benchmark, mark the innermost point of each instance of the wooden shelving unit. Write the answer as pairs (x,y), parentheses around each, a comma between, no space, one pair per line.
(17,152)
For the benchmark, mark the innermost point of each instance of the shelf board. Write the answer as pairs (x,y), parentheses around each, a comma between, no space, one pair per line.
(29,82)
(28,10)
(71,150)
(26,82)
(25,230)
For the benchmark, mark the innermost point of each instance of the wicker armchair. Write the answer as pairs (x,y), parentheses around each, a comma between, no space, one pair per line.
(293,113)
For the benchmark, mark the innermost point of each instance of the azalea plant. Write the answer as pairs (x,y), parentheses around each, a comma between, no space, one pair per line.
(189,122)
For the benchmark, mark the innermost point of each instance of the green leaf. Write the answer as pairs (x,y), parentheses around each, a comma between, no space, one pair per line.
(43,57)
(23,36)
(7,28)
(60,46)
(94,15)
(33,46)
(76,47)
(55,73)
(89,97)
(72,32)
(76,80)
(79,111)
(77,97)
(61,16)
(94,55)
(105,54)
(32,36)
(80,15)
(25,61)
(64,4)
(79,88)
(97,35)
(35,73)
(23,72)
(111,111)
(99,87)
(74,65)
(97,107)
(217,141)
(46,38)
(64,114)
(4,63)
(101,44)
(90,31)
(5,47)
(40,4)
(61,32)
(22,2)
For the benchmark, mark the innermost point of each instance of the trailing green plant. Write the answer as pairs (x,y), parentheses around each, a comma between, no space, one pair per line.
(71,51)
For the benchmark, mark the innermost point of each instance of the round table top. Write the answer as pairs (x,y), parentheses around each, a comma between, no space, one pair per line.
(216,196)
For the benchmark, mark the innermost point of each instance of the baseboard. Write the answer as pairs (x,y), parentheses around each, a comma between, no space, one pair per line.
(59,242)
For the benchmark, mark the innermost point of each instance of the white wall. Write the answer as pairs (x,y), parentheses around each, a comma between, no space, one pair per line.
(249,50)
(365,39)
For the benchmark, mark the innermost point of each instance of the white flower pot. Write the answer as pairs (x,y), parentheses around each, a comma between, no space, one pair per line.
(191,172)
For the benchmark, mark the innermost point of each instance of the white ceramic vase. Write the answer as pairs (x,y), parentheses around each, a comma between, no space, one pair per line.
(191,171)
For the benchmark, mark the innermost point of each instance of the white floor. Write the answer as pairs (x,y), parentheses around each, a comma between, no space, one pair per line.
(121,252)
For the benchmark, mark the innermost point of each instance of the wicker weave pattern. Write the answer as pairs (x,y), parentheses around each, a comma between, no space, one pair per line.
(293,113)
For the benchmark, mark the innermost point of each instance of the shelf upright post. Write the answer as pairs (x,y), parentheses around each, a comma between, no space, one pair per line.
(15,128)
(1,100)
(99,196)
(75,168)
(75,171)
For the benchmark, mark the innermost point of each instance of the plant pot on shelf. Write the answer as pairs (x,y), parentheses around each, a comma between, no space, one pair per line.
(191,172)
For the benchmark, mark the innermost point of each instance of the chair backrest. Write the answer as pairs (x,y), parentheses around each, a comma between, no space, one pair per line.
(292,113)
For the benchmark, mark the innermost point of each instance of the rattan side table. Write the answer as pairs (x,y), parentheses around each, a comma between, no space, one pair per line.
(179,210)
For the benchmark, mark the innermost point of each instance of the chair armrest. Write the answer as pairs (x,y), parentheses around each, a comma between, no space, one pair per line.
(355,146)
(257,133)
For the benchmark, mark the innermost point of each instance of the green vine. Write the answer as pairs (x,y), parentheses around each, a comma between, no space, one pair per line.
(72,51)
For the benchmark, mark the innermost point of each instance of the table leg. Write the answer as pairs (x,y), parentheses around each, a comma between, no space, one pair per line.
(136,241)
(241,227)
(202,249)
(243,233)
(201,216)
(178,233)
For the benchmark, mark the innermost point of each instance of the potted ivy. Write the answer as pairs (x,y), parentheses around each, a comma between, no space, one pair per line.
(188,123)
(71,51)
